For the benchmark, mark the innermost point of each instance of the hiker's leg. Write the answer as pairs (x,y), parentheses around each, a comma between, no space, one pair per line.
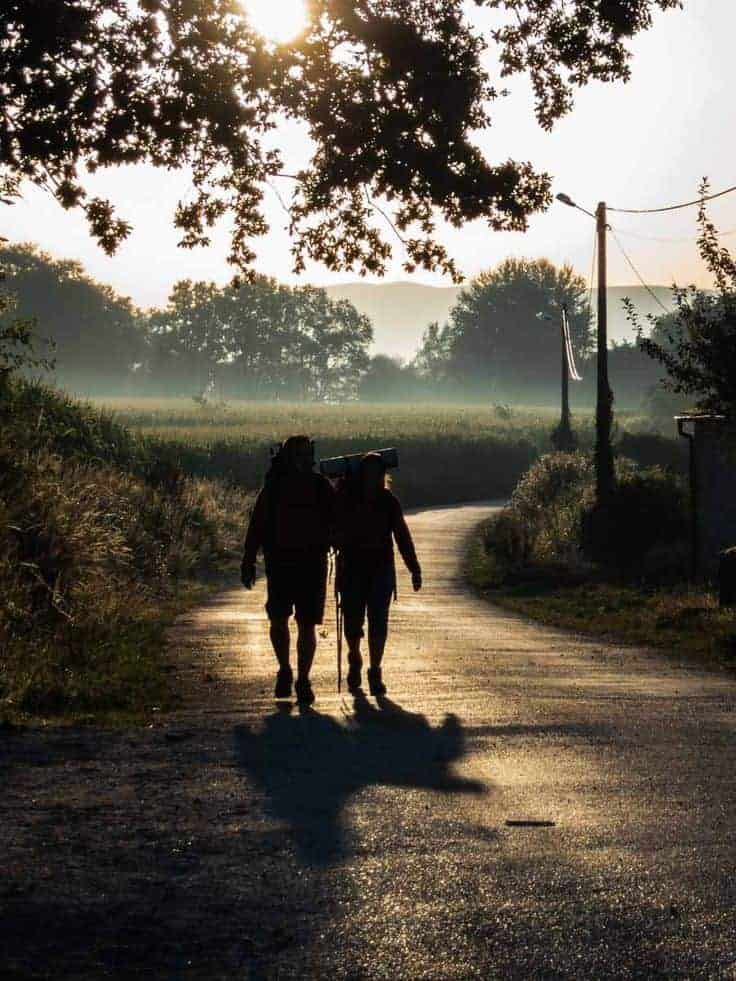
(306,645)
(353,598)
(379,603)
(376,646)
(354,649)
(281,640)
(381,590)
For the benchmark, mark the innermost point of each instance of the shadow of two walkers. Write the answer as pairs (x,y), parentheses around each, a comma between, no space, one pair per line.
(308,765)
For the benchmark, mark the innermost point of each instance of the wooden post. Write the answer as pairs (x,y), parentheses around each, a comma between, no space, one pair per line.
(604,472)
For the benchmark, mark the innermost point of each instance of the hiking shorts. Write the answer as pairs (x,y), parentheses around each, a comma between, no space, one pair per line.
(368,590)
(296,585)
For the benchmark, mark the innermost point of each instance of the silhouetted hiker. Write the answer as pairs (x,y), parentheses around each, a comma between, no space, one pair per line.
(292,522)
(369,518)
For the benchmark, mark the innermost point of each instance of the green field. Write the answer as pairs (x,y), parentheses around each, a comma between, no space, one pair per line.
(184,419)
(449,452)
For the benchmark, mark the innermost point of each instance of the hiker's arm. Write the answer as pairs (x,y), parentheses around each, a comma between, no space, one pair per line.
(405,544)
(256,531)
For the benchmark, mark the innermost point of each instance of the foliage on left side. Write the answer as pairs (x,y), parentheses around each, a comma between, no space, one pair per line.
(99,540)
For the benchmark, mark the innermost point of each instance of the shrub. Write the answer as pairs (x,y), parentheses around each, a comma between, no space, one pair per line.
(649,510)
(654,450)
(553,517)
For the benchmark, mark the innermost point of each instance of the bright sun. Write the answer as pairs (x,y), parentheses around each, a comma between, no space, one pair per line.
(278,20)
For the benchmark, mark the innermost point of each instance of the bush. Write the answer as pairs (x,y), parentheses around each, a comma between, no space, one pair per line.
(553,518)
(649,510)
(654,450)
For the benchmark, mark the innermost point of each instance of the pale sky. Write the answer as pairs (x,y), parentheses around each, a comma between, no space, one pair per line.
(644,144)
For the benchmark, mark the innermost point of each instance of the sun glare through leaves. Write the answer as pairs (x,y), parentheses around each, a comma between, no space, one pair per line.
(278,20)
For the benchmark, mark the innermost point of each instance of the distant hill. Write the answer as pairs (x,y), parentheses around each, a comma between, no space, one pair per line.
(401,311)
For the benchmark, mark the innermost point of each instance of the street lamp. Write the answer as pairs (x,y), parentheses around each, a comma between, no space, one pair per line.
(604,472)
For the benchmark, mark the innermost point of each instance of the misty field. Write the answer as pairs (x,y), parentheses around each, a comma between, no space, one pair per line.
(263,421)
(449,452)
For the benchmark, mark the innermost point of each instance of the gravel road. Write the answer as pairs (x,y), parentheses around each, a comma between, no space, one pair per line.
(523,804)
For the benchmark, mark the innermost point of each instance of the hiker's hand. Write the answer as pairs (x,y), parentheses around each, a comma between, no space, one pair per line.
(248,574)
(416,580)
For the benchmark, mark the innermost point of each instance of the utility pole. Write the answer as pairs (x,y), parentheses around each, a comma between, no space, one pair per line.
(604,473)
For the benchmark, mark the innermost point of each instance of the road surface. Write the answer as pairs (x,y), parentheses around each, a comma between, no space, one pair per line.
(236,839)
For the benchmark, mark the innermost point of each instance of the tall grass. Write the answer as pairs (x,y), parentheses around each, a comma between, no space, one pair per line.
(95,542)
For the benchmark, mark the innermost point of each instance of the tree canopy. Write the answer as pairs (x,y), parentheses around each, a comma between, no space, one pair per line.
(94,332)
(257,339)
(504,330)
(391,92)
(697,344)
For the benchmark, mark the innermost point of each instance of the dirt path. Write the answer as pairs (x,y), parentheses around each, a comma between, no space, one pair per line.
(365,840)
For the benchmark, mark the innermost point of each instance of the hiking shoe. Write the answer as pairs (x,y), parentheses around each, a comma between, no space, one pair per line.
(375,682)
(304,693)
(284,681)
(354,678)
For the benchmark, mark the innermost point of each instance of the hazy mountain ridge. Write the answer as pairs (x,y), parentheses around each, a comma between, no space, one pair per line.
(401,311)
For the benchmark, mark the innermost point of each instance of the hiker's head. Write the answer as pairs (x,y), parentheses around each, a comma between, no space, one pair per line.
(299,453)
(372,473)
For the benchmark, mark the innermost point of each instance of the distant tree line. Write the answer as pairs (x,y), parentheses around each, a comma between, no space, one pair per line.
(502,342)
(263,339)
(256,340)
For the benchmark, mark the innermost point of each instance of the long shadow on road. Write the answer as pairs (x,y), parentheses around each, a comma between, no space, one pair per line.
(309,765)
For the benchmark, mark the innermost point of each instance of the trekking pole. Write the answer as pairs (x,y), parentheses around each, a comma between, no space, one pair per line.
(338,619)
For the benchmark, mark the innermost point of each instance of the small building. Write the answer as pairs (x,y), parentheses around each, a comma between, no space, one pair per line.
(713,489)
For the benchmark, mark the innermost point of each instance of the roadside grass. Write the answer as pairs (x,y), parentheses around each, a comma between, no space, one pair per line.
(120,680)
(101,544)
(678,618)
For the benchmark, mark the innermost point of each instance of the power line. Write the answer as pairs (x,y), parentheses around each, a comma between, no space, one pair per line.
(674,207)
(658,238)
(636,272)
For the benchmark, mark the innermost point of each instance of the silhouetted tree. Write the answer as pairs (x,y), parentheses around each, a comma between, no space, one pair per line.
(188,339)
(97,335)
(391,91)
(433,357)
(497,335)
(18,341)
(697,344)
(257,339)
(633,375)
(389,380)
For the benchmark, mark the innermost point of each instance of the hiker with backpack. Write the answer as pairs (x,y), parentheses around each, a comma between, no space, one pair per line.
(369,519)
(293,523)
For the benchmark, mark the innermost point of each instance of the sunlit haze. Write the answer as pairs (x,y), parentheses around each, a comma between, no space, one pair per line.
(277,20)
(643,144)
